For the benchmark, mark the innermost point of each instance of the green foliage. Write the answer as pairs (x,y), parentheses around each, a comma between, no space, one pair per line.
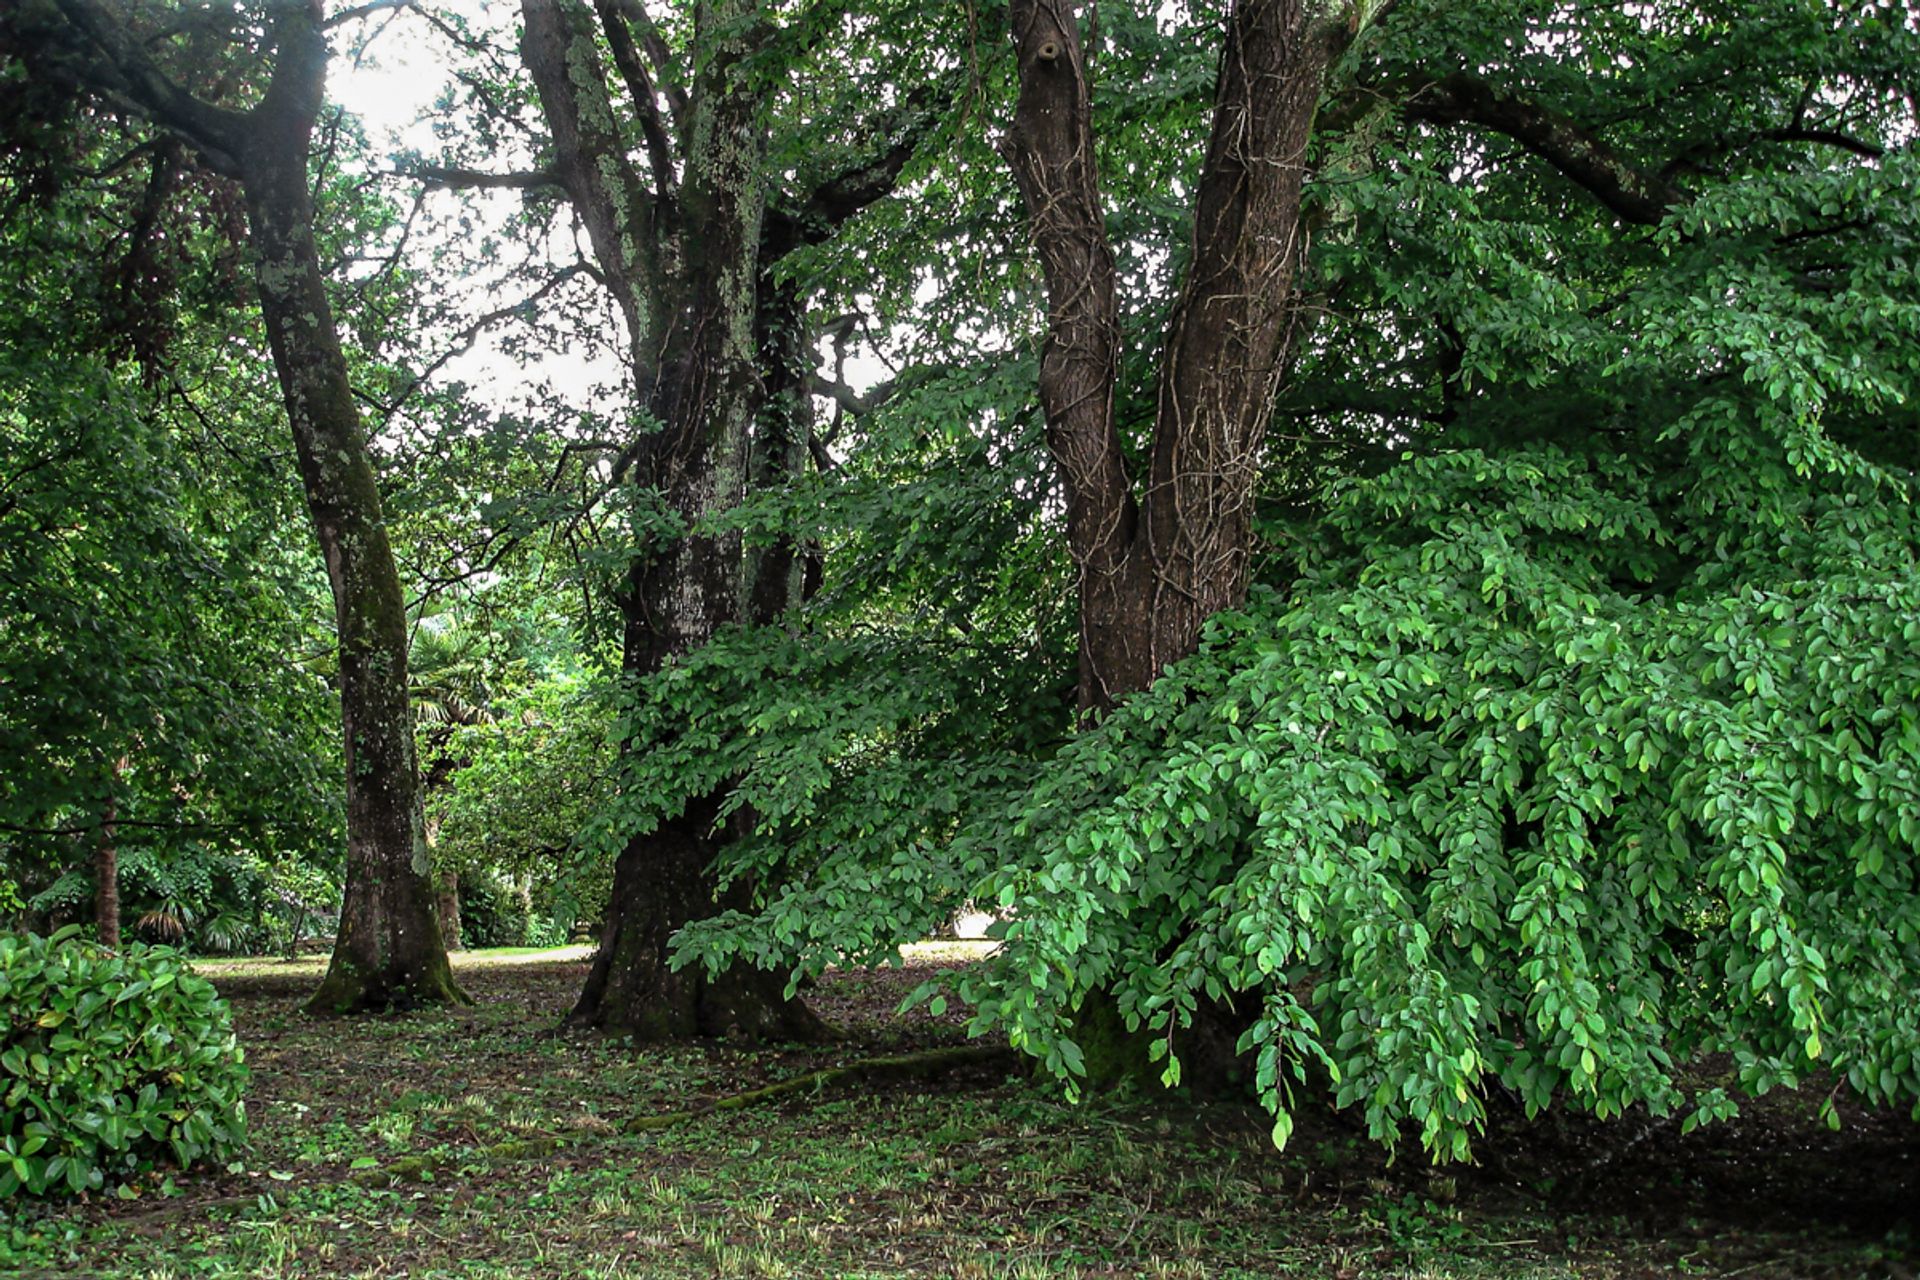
(1570,735)
(524,784)
(112,1065)
(493,914)
(159,610)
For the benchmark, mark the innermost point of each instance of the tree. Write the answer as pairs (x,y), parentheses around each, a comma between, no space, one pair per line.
(1531,766)
(689,243)
(389,950)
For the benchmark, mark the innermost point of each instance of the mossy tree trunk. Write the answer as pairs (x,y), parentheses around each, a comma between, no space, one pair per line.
(681,253)
(388,952)
(685,228)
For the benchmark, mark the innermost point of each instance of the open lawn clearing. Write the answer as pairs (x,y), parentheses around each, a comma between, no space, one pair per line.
(518,1165)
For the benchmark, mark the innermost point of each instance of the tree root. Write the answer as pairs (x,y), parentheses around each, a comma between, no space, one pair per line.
(910,1066)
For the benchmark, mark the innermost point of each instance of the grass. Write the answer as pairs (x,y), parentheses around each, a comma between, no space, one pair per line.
(974,1176)
(312,965)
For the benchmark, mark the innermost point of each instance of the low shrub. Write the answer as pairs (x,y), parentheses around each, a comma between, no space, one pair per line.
(112,1064)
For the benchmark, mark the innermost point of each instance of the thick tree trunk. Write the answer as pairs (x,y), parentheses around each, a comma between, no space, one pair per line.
(686,248)
(660,884)
(389,951)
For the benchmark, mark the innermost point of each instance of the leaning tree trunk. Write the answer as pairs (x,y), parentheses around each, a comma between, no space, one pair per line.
(389,951)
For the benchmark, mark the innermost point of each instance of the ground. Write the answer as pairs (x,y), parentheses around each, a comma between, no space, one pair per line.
(480,1143)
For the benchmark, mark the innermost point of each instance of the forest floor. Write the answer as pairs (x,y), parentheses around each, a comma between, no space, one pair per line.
(521,1165)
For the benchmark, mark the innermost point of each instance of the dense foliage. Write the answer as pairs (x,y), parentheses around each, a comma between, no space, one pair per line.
(112,1065)
(157,688)
(1571,736)
(1567,736)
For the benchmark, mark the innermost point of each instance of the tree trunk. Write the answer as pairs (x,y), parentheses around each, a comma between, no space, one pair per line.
(449,906)
(389,951)
(1155,560)
(660,884)
(686,247)
(106,879)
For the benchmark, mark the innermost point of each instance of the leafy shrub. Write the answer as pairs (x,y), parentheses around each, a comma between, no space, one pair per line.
(492,914)
(111,1064)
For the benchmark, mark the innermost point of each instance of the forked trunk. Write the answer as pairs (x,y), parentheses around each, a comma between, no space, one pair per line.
(1159,553)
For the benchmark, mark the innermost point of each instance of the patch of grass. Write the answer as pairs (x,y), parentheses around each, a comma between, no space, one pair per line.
(519,1166)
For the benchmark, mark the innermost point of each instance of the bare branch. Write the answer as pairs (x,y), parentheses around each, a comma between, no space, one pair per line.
(626,58)
(442,177)
(367,10)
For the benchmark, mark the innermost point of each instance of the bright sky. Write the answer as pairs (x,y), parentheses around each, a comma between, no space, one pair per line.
(392,87)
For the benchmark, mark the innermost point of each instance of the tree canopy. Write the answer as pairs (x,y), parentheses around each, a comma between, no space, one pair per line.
(1380,540)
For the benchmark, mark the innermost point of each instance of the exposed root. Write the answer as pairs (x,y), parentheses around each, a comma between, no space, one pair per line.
(910,1066)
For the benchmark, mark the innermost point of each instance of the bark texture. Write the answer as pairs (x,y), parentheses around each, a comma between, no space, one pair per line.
(681,251)
(389,950)
(1160,552)
(671,183)
(106,879)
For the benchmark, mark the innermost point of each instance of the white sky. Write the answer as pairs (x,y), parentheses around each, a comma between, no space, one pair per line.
(392,87)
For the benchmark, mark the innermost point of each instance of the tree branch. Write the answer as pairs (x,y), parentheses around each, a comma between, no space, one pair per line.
(464,340)
(1631,194)
(836,200)
(618,211)
(635,12)
(124,74)
(1050,148)
(1826,137)
(626,58)
(366,10)
(442,177)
